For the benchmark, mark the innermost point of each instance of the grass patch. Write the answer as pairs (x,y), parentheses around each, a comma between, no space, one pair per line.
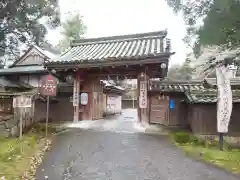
(16,157)
(228,159)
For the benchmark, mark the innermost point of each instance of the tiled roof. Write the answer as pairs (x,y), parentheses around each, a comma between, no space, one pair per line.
(45,52)
(213,81)
(208,96)
(194,90)
(13,93)
(24,84)
(22,69)
(174,86)
(115,47)
(7,83)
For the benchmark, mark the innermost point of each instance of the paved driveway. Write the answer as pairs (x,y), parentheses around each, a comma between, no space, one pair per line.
(91,155)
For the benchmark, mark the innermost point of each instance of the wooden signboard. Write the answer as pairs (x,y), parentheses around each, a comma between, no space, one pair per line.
(48,86)
(22,101)
(143,95)
(84,98)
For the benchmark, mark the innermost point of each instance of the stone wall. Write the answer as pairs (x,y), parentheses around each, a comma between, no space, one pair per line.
(233,141)
(9,126)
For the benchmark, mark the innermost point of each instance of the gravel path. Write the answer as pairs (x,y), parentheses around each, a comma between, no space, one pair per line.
(91,155)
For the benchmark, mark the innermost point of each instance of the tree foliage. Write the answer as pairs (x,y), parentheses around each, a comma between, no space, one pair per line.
(72,29)
(220,21)
(221,24)
(212,56)
(20,22)
(181,71)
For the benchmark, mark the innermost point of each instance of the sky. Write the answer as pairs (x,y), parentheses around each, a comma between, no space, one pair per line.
(119,17)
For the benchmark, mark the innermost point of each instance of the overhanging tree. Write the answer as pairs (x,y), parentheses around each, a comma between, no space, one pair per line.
(220,21)
(20,23)
(181,71)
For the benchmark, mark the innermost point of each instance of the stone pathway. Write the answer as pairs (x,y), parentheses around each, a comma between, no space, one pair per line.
(91,155)
(122,123)
(116,149)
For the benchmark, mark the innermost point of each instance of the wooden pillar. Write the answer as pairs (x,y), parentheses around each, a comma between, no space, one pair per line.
(96,98)
(138,94)
(87,113)
(76,91)
(143,105)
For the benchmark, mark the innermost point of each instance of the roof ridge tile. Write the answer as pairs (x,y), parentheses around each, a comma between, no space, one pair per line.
(119,38)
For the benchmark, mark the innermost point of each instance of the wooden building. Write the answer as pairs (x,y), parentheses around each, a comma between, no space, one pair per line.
(137,56)
(23,78)
(112,99)
(129,99)
(193,105)
(10,114)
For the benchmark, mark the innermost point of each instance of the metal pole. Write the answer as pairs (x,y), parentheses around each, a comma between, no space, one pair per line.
(221,141)
(47,115)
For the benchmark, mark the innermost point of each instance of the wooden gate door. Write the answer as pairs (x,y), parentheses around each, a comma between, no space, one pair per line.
(159,110)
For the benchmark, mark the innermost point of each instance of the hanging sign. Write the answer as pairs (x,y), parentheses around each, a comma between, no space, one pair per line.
(48,85)
(224,103)
(143,95)
(84,98)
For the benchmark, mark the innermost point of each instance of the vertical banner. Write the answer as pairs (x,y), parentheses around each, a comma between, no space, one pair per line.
(76,92)
(143,95)
(224,101)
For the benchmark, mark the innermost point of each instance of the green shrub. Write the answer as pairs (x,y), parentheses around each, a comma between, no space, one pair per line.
(198,141)
(182,137)
(188,138)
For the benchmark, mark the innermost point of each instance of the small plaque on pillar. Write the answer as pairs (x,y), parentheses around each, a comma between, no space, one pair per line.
(84,98)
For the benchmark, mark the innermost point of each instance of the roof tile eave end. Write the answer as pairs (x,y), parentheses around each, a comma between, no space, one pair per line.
(59,62)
